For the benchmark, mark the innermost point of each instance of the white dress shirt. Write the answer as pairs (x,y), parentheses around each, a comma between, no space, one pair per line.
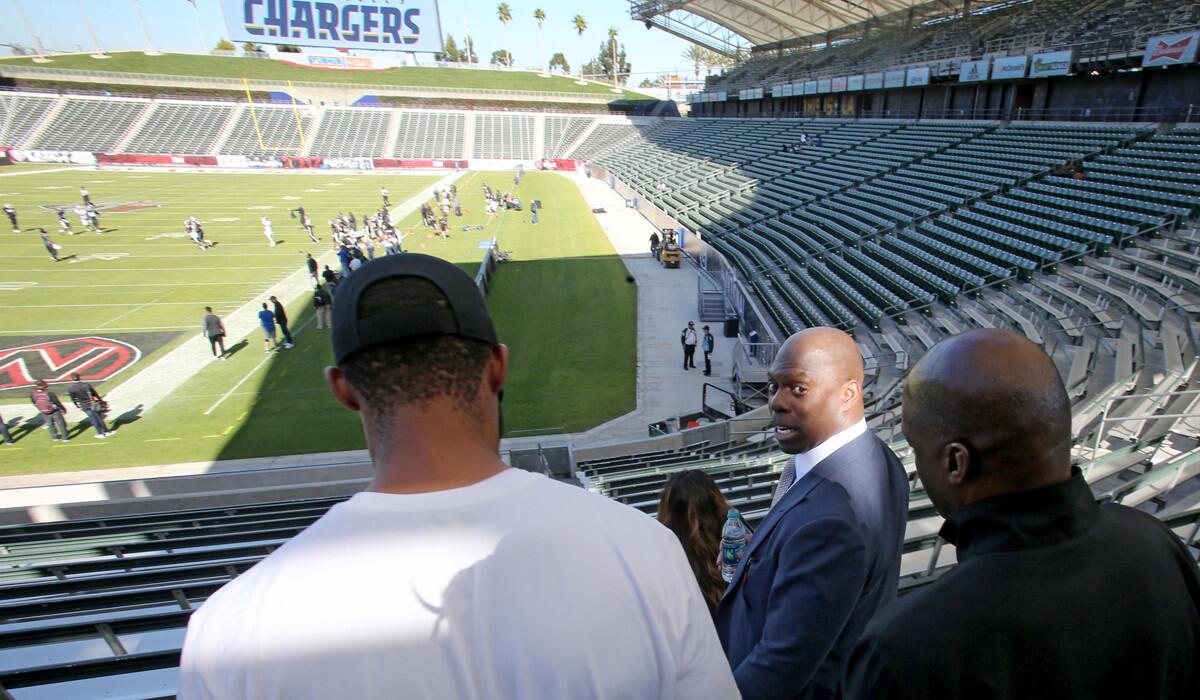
(806,461)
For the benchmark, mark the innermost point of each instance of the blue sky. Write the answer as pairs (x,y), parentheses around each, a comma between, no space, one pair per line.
(173,28)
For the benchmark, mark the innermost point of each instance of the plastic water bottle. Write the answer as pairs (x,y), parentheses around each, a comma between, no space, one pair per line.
(733,544)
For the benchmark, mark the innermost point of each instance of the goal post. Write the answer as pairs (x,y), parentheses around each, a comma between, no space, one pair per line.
(262,144)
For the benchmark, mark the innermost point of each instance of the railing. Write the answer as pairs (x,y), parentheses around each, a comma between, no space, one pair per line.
(1190,113)
(16,70)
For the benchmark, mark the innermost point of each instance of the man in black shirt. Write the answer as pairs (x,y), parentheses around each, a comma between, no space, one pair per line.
(281,320)
(87,399)
(312,268)
(1053,596)
(12,216)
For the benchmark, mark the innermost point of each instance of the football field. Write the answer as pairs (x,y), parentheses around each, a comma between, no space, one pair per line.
(134,293)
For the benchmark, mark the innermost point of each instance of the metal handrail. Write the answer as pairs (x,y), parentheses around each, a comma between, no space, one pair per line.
(260,83)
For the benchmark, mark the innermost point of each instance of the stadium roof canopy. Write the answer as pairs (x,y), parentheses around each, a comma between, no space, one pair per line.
(730,26)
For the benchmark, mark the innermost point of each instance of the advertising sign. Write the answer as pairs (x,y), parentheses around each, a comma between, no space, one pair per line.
(893,79)
(77,157)
(838,85)
(810,87)
(1008,68)
(823,85)
(872,81)
(917,76)
(854,82)
(1045,65)
(722,96)
(393,25)
(1170,49)
(972,71)
(334,62)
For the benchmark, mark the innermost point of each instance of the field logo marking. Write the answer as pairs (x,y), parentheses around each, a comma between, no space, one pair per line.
(95,358)
(97,256)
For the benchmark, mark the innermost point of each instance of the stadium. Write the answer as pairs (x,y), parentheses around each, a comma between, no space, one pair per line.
(902,171)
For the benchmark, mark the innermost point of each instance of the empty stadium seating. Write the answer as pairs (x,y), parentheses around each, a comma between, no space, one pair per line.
(561,132)
(180,127)
(430,135)
(20,115)
(351,133)
(504,136)
(84,124)
(261,131)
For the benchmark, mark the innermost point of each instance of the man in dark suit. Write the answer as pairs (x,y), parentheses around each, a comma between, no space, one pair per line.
(1053,596)
(827,556)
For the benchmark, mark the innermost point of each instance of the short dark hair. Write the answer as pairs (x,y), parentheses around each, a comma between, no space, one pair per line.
(408,371)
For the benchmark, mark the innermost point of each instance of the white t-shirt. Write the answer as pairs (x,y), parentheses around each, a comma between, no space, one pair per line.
(514,587)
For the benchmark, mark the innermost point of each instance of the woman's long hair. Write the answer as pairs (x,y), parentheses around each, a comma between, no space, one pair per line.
(695,509)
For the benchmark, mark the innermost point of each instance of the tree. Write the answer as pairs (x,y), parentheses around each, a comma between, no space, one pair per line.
(561,61)
(251,47)
(610,63)
(226,45)
(646,83)
(540,17)
(504,14)
(288,48)
(712,60)
(467,54)
(695,55)
(450,51)
(500,57)
(580,24)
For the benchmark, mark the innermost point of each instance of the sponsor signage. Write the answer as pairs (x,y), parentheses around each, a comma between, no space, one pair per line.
(872,81)
(722,96)
(972,71)
(854,82)
(823,85)
(1009,68)
(838,85)
(1171,49)
(893,78)
(797,88)
(337,62)
(1046,65)
(917,76)
(810,87)
(393,25)
(77,157)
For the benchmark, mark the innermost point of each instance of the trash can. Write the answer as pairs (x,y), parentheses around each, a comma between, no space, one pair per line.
(731,327)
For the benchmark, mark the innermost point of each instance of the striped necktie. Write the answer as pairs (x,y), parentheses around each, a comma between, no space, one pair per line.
(785,481)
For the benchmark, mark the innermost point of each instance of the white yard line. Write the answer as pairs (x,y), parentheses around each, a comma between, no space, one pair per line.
(47,170)
(252,372)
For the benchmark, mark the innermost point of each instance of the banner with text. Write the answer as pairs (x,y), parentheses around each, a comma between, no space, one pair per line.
(1008,68)
(873,81)
(971,71)
(854,82)
(917,76)
(1046,65)
(893,78)
(1170,49)
(392,25)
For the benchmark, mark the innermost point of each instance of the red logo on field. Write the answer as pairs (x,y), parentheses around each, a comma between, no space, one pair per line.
(1173,51)
(94,358)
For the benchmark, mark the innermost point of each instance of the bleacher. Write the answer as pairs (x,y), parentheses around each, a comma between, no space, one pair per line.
(20,115)
(504,136)
(351,133)
(561,132)
(278,128)
(84,124)
(181,127)
(430,135)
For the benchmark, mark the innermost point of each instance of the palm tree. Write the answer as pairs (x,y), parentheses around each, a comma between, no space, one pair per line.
(612,43)
(540,17)
(504,14)
(580,25)
(696,56)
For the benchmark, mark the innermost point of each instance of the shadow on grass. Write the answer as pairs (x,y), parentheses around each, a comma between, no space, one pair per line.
(571,328)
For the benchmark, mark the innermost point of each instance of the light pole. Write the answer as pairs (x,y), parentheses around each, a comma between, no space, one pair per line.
(150,50)
(87,23)
(41,52)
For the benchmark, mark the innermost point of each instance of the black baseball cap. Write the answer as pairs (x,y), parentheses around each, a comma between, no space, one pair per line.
(463,314)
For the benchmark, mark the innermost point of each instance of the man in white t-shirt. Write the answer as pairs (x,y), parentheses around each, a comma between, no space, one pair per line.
(452,576)
(268,230)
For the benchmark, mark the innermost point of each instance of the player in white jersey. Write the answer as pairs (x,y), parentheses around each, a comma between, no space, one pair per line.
(267,231)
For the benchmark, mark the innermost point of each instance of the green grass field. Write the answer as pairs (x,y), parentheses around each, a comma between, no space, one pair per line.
(564,307)
(257,68)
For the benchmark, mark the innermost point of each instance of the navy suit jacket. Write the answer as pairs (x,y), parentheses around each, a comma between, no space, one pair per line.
(822,563)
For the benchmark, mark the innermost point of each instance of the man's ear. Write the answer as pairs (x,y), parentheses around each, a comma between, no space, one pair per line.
(956,460)
(342,390)
(852,394)
(495,374)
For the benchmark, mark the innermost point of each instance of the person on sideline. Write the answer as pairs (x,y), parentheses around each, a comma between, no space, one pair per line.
(688,340)
(323,307)
(266,321)
(452,576)
(281,320)
(48,404)
(707,344)
(827,556)
(1053,595)
(214,330)
(87,399)
(694,509)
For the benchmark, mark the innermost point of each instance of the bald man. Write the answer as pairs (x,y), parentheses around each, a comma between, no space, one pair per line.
(827,556)
(1053,596)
